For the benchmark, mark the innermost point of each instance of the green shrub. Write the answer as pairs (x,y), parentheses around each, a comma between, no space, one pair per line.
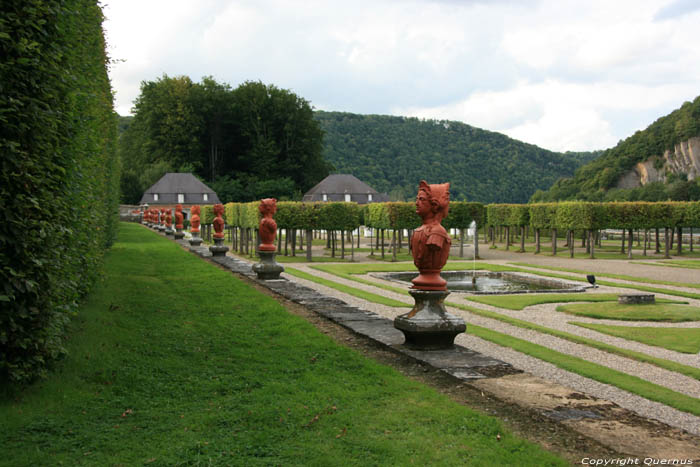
(60,175)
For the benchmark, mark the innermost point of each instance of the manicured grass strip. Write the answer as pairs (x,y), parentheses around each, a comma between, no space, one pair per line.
(685,340)
(301,258)
(661,363)
(667,312)
(174,361)
(677,293)
(615,276)
(639,356)
(675,263)
(593,371)
(369,296)
(521,301)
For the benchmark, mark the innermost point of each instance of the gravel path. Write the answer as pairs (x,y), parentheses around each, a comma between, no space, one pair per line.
(644,407)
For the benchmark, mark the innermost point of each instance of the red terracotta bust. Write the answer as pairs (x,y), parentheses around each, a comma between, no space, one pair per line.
(179,217)
(162,216)
(219,221)
(430,242)
(268,226)
(194,222)
(168,218)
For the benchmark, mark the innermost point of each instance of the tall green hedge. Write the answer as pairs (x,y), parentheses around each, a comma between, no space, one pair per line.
(60,173)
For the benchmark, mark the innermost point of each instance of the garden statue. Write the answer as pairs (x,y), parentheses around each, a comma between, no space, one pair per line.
(196,240)
(430,244)
(169,222)
(268,226)
(428,326)
(218,248)
(267,268)
(179,218)
(161,226)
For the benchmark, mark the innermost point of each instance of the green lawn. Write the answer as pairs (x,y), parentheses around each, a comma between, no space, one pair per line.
(676,263)
(686,340)
(174,361)
(521,301)
(652,312)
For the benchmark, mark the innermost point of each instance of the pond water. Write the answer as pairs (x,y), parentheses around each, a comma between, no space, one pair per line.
(491,282)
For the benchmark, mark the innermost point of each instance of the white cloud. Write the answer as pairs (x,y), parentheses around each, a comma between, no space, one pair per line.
(559,73)
(555,115)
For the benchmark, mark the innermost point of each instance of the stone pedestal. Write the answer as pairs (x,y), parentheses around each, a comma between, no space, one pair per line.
(636,299)
(428,326)
(169,231)
(196,240)
(267,268)
(179,234)
(218,248)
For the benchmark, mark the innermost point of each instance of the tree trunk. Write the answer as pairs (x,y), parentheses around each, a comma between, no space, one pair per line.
(507,237)
(658,246)
(667,247)
(331,236)
(571,243)
(476,242)
(382,240)
(591,243)
(646,239)
(522,239)
(342,244)
(622,248)
(393,245)
(691,239)
(309,244)
(680,241)
(352,245)
(629,246)
(461,243)
(554,242)
(537,241)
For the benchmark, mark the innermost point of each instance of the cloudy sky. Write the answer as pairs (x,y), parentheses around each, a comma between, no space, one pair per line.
(562,74)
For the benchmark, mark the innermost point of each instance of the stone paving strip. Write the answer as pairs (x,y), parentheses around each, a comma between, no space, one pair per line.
(471,353)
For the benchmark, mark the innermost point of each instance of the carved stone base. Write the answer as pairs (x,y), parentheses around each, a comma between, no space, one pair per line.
(218,248)
(179,234)
(428,326)
(196,240)
(267,268)
(161,228)
(169,231)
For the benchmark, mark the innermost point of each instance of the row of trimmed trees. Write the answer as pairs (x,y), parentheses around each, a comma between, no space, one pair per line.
(589,218)
(301,220)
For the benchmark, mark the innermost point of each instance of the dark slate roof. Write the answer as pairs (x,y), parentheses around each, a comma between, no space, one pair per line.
(172,184)
(337,185)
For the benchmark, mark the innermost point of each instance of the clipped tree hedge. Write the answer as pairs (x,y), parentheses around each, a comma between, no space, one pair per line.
(59,182)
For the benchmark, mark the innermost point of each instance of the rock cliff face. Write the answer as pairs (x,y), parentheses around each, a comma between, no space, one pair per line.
(685,157)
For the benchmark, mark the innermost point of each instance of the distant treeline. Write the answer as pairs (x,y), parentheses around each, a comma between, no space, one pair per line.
(596,180)
(249,142)
(392,154)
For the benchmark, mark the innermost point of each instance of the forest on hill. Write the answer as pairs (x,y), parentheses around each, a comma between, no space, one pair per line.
(597,180)
(248,142)
(393,154)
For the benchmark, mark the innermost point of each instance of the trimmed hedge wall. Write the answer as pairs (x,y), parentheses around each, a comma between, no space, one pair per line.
(59,183)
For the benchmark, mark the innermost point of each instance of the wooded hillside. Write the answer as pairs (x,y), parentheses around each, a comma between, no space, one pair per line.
(392,154)
(596,180)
